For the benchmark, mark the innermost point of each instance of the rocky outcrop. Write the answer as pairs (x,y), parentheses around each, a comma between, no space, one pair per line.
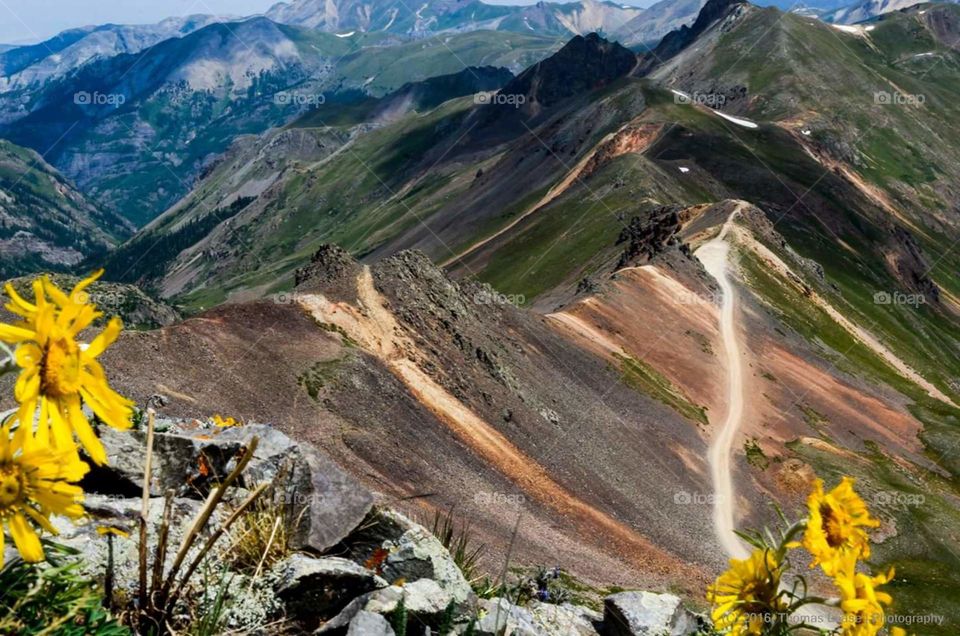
(360,569)
(644,238)
(322,586)
(331,271)
(499,616)
(712,12)
(646,614)
(137,309)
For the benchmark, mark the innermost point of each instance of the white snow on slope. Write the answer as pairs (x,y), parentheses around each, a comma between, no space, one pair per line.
(746,123)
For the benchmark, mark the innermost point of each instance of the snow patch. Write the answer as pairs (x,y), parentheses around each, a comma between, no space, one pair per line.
(684,170)
(345,35)
(846,28)
(746,123)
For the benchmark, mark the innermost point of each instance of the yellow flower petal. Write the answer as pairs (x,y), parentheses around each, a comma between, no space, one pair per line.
(26,540)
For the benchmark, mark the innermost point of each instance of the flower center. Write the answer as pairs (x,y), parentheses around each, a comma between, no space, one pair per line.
(832,526)
(61,368)
(11,486)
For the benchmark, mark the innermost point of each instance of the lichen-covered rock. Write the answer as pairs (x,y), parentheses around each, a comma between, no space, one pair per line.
(369,624)
(312,588)
(122,513)
(646,614)
(327,503)
(499,617)
(423,598)
(417,554)
(566,619)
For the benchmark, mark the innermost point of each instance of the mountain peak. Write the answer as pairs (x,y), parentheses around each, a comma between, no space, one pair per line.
(583,64)
(712,12)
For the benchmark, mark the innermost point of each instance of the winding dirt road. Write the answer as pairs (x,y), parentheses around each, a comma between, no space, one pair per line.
(714,256)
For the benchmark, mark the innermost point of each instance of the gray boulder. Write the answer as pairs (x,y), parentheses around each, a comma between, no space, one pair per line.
(423,598)
(502,618)
(369,624)
(566,619)
(177,462)
(417,554)
(324,501)
(311,588)
(499,617)
(646,614)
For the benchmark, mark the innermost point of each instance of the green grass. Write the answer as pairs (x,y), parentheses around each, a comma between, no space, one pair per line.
(318,376)
(644,378)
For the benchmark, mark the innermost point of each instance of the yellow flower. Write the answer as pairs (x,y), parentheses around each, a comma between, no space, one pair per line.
(836,525)
(862,603)
(35,483)
(224,422)
(746,596)
(59,372)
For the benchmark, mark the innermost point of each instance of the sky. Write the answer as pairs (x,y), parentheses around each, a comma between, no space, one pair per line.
(27,21)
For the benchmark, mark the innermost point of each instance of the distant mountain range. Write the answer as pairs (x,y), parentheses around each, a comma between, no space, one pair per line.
(438,16)
(133,130)
(133,114)
(24,66)
(44,222)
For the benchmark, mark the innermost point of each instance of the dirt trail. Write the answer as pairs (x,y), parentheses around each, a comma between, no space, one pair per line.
(714,256)
(374,327)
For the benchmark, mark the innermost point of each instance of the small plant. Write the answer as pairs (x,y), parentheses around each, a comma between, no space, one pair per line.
(457,539)
(52,599)
(160,591)
(399,618)
(755,455)
(209,623)
(262,535)
(446,621)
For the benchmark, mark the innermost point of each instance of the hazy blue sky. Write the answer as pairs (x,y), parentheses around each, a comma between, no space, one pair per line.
(33,20)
